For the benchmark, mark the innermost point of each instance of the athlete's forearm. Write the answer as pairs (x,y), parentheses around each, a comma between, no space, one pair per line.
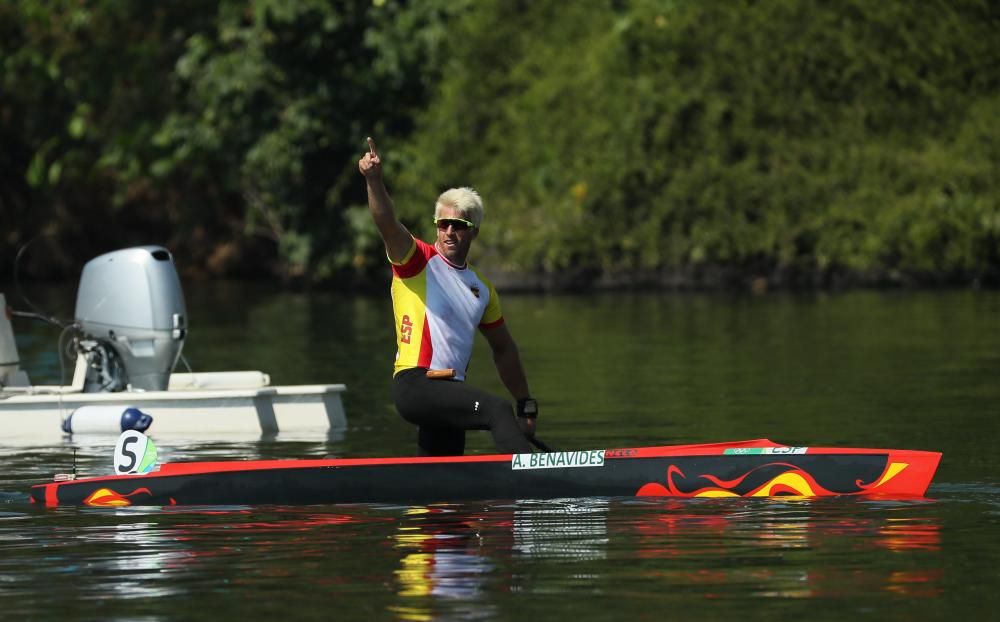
(380,205)
(508,363)
(396,237)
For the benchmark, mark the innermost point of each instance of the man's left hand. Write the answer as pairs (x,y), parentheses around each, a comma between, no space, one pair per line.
(527,426)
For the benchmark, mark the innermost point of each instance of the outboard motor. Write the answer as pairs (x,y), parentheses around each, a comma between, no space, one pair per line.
(130,308)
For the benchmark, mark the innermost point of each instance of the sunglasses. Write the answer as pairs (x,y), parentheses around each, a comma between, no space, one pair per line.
(457,224)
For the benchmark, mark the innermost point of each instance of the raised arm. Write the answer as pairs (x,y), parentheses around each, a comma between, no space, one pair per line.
(396,237)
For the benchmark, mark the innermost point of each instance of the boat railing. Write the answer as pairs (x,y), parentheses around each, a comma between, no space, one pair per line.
(219,380)
(79,376)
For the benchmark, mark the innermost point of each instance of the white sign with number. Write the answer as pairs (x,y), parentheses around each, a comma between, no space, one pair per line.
(134,453)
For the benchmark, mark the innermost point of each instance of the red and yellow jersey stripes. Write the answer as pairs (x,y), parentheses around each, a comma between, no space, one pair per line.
(438,308)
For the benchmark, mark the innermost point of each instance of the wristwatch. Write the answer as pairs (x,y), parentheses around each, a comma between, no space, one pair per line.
(527,408)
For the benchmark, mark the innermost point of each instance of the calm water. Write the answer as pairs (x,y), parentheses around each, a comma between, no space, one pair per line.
(913,370)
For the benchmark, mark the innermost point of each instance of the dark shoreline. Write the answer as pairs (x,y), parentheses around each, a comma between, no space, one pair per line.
(582,280)
(724,279)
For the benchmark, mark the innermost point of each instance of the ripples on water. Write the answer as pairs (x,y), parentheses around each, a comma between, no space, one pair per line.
(904,370)
(632,557)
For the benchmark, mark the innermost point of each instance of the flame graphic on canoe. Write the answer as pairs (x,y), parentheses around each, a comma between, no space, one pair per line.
(106,498)
(781,479)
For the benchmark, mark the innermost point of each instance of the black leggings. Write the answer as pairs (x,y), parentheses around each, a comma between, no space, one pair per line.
(444,409)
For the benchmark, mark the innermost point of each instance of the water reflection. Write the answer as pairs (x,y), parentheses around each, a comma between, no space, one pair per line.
(803,549)
(770,549)
(139,555)
(450,553)
(469,561)
(571,529)
(440,558)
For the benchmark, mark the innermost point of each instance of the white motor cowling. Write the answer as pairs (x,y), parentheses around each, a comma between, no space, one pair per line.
(130,308)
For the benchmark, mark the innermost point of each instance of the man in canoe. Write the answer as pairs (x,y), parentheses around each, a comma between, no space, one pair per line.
(439,300)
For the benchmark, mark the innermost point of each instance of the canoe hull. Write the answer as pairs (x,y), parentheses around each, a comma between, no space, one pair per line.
(720,470)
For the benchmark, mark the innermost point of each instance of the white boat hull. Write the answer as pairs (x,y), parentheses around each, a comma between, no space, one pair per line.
(34,415)
(224,406)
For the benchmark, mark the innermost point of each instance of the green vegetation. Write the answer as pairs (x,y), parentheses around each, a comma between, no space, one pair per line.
(658,141)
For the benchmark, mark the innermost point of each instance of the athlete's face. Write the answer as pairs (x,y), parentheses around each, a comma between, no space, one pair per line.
(453,242)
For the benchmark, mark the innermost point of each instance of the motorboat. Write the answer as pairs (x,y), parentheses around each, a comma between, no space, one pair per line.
(130,324)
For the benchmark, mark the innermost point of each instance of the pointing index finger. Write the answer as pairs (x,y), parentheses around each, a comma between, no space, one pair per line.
(371,146)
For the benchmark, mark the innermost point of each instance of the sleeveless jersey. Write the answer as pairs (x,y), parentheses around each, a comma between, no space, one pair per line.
(438,308)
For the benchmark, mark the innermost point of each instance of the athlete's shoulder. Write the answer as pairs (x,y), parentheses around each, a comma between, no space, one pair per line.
(492,313)
(425,248)
(479,274)
(416,259)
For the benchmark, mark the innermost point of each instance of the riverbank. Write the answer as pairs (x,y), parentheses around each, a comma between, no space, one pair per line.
(584,279)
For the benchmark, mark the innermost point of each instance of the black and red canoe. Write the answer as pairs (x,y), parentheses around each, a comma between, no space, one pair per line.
(754,468)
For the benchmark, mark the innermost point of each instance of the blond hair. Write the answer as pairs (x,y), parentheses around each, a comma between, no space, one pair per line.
(466,200)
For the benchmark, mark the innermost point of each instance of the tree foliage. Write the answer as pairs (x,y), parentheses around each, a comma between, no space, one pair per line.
(227,131)
(798,141)
(789,139)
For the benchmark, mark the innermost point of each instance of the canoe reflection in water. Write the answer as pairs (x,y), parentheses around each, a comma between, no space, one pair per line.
(771,548)
(459,560)
(451,554)
(795,535)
